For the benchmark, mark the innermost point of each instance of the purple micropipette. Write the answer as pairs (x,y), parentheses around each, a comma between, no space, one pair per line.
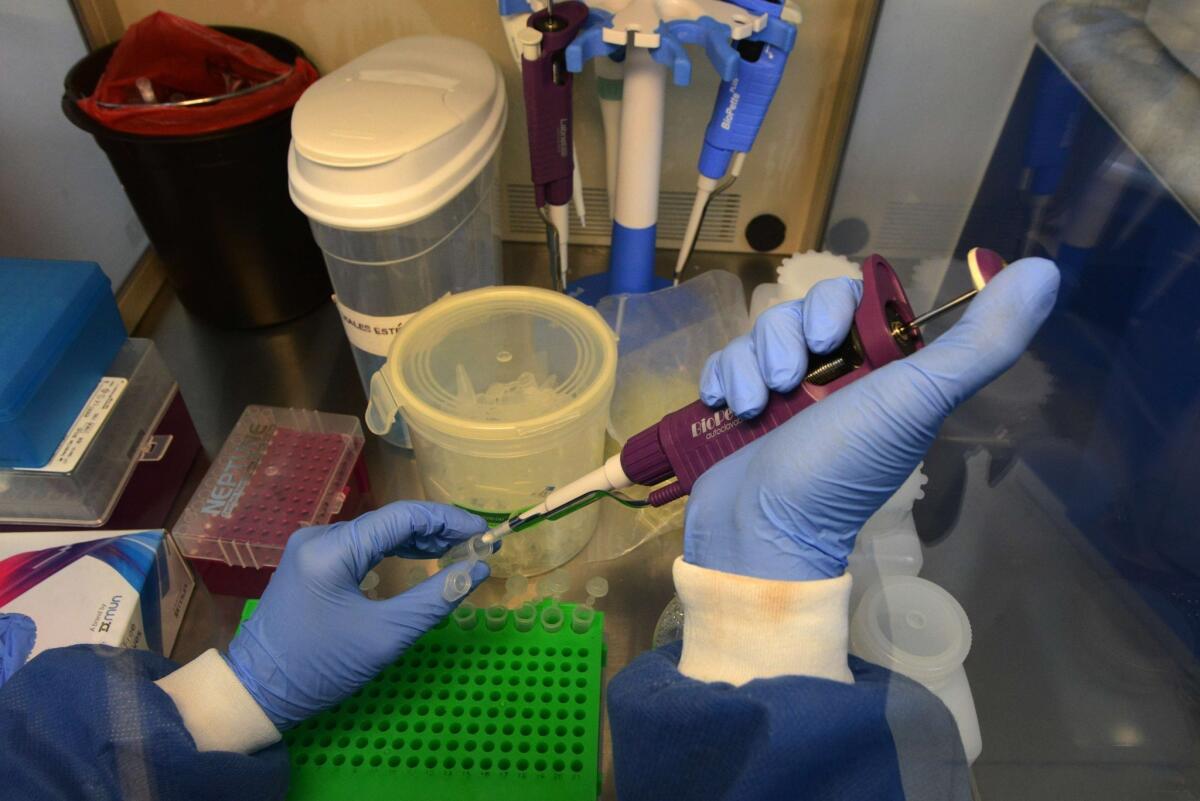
(547,89)
(687,442)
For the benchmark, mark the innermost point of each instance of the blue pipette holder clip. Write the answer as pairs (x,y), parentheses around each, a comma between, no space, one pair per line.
(508,7)
(713,36)
(589,42)
(777,33)
(756,7)
(706,32)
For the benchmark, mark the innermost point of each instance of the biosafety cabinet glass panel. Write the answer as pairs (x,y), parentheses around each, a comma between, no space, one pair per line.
(1061,508)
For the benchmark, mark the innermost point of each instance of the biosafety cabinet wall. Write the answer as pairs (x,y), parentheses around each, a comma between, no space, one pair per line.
(789,177)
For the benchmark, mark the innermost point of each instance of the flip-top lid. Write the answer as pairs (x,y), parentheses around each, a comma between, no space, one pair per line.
(390,137)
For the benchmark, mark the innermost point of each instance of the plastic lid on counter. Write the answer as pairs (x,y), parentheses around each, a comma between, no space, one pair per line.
(278,471)
(392,136)
(911,626)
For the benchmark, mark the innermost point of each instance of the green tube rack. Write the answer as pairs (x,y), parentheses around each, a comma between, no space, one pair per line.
(466,713)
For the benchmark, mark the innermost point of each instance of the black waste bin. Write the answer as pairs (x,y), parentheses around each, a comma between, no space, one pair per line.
(216,205)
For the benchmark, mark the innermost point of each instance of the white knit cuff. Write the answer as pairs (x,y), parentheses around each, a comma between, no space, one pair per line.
(737,628)
(217,710)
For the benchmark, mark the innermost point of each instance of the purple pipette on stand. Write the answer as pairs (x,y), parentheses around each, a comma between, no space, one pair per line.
(547,88)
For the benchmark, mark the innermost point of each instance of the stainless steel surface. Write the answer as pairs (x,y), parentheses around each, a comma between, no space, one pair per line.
(307,363)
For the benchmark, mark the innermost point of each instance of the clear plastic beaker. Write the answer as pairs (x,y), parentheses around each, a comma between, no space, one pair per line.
(505,391)
(394,161)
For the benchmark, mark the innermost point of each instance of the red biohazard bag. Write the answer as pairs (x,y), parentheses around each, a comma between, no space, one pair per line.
(169,76)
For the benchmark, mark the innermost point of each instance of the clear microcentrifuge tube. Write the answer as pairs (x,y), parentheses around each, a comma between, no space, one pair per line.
(524,616)
(465,616)
(497,614)
(584,613)
(473,550)
(555,586)
(458,581)
(461,558)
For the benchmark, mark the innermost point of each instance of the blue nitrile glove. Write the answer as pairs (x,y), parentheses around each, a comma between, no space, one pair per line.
(789,505)
(18,633)
(315,638)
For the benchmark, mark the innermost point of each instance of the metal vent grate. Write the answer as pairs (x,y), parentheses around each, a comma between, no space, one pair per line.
(720,223)
(919,227)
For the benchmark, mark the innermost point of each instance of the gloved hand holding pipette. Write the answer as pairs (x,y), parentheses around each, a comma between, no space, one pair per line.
(788,505)
(763,668)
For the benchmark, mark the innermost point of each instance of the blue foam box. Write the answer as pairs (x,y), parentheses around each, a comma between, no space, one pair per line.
(59,330)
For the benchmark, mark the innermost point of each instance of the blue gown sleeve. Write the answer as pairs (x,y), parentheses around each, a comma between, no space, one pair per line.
(794,737)
(87,722)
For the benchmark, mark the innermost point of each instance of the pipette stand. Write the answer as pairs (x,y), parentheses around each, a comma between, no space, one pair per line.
(649,37)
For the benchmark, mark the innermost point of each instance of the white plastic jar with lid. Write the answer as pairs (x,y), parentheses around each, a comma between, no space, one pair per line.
(914,627)
(506,393)
(394,161)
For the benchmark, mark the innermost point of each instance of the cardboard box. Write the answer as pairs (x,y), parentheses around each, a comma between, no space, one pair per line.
(120,588)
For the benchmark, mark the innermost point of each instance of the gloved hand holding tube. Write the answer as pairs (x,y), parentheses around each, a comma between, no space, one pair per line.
(789,505)
(315,638)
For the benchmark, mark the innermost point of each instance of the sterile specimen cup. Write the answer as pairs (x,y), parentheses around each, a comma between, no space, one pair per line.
(505,391)
(914,627)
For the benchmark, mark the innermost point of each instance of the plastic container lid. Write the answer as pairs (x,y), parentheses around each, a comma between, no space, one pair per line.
(43,304)
(912,626)
(548,360)
(392,136)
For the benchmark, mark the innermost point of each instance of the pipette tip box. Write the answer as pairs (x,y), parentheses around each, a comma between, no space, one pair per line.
(278,471)
(465,713)
(132,439)
(60,328)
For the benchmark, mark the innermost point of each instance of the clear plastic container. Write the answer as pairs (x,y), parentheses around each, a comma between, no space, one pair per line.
(914,627)
(279,470)
(394,162)
(86,493)
(381,278)
(506,392)
(664,338)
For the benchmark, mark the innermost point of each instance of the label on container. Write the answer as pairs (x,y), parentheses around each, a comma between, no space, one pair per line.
(85,428)
(370,332)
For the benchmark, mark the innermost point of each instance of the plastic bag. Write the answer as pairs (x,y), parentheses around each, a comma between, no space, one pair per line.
(182,60)
(663,340)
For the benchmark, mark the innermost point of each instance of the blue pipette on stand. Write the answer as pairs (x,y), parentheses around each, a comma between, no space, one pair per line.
(739,110)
